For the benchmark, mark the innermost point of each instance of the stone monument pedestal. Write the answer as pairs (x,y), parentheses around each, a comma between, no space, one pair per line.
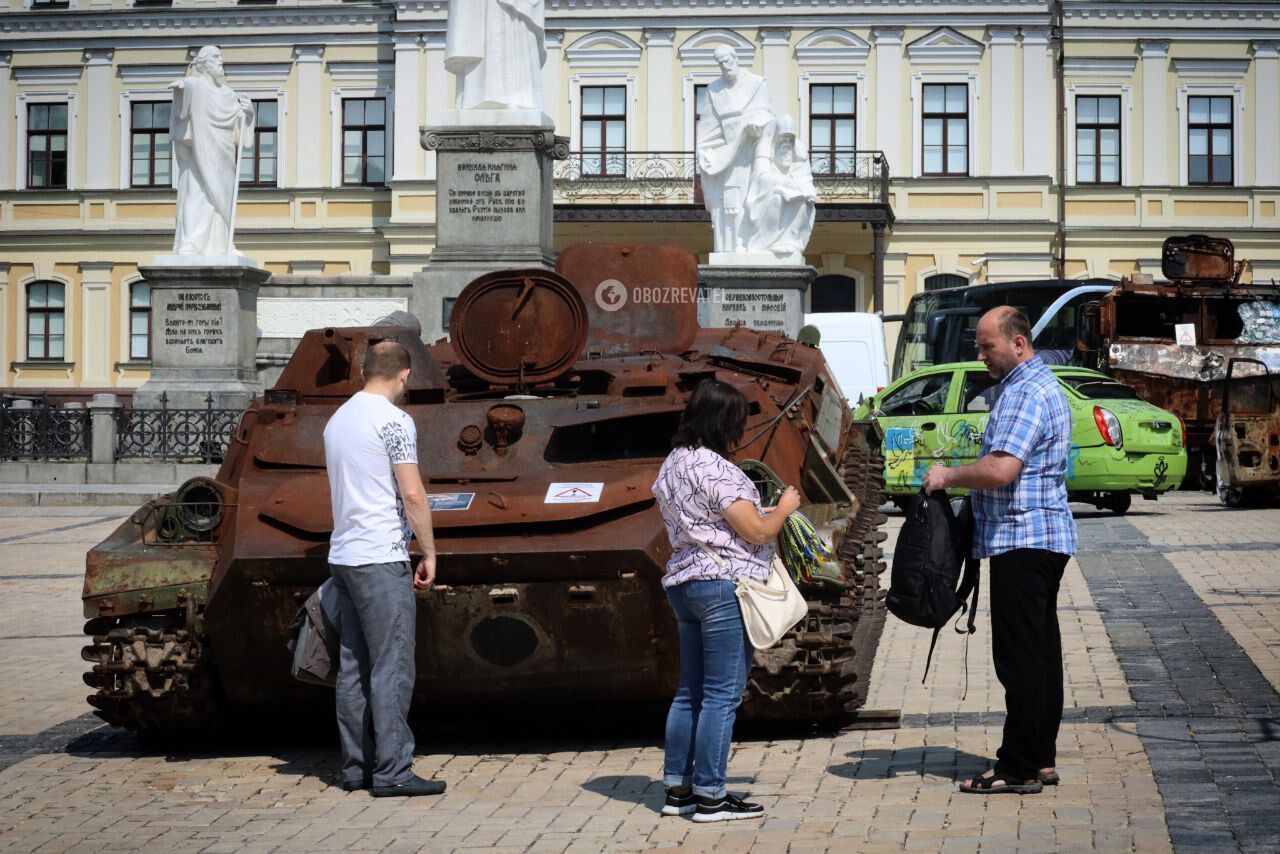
(770,299)
(204,334)
(493,207)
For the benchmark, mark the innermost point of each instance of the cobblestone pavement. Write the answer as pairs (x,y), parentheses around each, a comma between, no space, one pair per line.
(1171,737)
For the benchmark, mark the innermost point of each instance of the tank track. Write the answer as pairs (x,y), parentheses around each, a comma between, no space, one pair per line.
(152,675)
(821,671)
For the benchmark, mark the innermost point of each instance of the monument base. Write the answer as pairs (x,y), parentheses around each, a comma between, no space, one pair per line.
(230,260)
(447,119)
(204,335)
(494,205)
(771,299)
(754,259)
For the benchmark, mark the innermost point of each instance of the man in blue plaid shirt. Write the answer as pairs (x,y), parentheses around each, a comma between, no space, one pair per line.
(1023,524)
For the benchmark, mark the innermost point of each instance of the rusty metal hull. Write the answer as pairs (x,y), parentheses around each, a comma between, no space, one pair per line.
(536,601)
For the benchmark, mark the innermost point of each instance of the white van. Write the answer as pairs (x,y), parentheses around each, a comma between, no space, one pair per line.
(853,344)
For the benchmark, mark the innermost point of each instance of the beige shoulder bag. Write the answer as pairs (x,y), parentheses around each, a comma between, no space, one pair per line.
(769,610)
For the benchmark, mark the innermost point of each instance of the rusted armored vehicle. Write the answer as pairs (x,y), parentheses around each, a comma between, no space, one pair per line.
(1172,342)
(541,426)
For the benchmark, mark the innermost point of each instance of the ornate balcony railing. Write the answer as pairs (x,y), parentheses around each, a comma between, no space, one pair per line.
(175,435)
(40,431)
(669,177)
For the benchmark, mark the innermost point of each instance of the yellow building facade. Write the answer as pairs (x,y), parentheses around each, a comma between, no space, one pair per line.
(1015,140)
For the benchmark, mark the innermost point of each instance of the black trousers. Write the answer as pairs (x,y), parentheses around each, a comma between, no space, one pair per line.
(1027,650)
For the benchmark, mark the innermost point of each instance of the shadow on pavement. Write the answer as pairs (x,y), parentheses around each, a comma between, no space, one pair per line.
(936,761)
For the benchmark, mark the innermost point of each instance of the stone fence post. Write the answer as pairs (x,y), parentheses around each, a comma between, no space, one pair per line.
(103,410)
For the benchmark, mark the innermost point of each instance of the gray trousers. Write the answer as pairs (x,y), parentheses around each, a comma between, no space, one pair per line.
(375,671)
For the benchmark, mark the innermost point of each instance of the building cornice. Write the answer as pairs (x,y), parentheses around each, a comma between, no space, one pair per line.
(151,20)
(1231,69)
(1095,66)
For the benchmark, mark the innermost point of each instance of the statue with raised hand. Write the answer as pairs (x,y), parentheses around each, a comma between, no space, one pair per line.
(209,126)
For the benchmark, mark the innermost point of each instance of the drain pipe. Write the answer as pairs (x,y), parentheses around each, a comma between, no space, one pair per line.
(1060,234)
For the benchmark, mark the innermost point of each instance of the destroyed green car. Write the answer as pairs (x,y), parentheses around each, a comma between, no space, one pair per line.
(1120,444)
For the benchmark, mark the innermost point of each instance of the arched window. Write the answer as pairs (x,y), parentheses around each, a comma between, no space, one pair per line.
(833,293)
(944,280)
(139,321)
(46,321)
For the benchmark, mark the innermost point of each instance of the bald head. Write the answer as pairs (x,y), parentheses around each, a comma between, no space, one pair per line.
(1004,340)
(1010,322)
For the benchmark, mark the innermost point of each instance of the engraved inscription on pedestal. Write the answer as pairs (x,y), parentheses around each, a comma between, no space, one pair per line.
(770,299)
(767,310)
(191,324)
(205,341)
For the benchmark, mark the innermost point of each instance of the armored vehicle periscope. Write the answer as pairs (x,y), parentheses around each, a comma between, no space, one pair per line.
(541,425)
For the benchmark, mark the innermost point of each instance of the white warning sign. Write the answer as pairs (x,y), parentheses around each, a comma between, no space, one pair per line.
(573,493)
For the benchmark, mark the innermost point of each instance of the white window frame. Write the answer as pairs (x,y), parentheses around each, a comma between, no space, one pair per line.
(830,78)
(281,97)
(1196,90)
(336,97)
(69,341)
(577,81)
(1087,90)
(125,117)
(918,79)
(125,303)
(687,88)
(25,99)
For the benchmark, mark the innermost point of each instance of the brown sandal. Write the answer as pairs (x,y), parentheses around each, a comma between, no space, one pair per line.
(987,786)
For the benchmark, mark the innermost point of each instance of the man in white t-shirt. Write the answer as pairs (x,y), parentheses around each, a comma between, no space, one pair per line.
(371,452)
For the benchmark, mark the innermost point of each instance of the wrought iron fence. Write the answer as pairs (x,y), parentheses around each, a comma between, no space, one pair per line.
(670,177)
(44,432)
(175,435)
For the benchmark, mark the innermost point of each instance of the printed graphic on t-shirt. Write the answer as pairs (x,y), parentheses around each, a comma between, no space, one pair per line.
(401,444)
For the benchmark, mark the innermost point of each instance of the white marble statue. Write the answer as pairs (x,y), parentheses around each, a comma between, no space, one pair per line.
(209,126)
(781,198)
(496,49)
(736,114)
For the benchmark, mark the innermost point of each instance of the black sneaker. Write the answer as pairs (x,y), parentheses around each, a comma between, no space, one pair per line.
(679,804)
(412,788)
(726,809)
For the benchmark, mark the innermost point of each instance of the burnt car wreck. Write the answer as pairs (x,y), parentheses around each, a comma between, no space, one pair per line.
(541,425)
(1173,343)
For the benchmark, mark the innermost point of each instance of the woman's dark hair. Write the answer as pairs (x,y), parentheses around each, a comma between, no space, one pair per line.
(714,419)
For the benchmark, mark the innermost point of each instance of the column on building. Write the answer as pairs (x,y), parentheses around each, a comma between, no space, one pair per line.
(4,316)
(406,149)
(95,335)
(776,46)
(888,103)
(552,97)
(877,266)
(659,48)
(312,113)
(438,87)
(7,176)
(1266,113)
(1038,99)
(99,109)
(1005,135)
(1152,169)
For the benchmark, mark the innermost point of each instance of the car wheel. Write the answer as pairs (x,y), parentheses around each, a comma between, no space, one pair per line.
(1236,496)
(1119,502)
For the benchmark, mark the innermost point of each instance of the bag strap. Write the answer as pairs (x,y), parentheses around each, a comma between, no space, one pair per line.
(969,584)
(666,509)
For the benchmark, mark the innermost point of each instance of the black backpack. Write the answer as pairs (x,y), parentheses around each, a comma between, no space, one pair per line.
(933,546)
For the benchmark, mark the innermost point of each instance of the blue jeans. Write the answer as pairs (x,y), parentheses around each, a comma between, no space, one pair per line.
(715,656)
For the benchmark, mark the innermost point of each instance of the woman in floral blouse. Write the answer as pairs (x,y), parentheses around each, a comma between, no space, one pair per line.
(719,533)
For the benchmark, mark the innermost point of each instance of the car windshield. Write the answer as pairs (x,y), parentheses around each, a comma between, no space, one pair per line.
(1092,388)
